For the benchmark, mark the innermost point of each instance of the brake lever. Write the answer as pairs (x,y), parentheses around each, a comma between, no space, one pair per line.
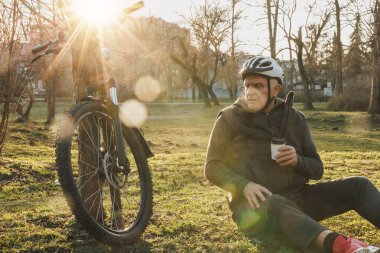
(37,57)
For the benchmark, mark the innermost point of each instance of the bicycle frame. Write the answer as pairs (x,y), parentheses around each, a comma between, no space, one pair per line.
(113,104)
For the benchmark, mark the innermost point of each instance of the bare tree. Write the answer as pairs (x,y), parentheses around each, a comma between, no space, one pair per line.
(7,90)
(272,10)
(374,105)
(232,62)
(339,51)
(314,34)
(210,24)
(288,9)
(187,60)
(308,104)
(14,25)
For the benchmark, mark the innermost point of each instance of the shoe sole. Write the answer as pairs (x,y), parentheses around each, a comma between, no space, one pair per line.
(369,249)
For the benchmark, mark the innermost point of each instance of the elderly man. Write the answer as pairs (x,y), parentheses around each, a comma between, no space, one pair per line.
(268,179)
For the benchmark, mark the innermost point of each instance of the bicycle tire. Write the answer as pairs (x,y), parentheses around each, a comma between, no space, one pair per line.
(102,228)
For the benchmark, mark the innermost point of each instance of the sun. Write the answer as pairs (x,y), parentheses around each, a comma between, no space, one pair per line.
(98,12)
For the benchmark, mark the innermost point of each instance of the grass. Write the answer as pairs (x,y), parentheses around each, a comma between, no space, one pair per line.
(190,214)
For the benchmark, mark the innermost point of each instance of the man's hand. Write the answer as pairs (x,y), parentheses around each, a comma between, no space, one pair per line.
(255,194)
(286,156)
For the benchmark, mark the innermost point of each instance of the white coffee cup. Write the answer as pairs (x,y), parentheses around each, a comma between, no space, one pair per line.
(275,144)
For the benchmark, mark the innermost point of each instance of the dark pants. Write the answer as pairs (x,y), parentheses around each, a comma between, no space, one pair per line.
(296,214)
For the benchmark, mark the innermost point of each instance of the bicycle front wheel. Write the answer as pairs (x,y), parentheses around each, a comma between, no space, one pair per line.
(111,202)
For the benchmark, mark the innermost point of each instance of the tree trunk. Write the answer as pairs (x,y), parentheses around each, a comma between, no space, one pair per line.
(9,81)
(374,105)
(6,108)
(27,95)
(212,95)
(195,78)
(230,92)
(292,68)
(272,26)
(30,103)
(50,97)
(193,96)
(233,85)
(169,94)
(308,104)
(339,52)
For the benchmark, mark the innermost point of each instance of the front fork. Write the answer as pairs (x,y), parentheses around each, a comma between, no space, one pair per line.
(113,104)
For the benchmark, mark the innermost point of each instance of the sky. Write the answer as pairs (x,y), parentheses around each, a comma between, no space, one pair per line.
(253,36)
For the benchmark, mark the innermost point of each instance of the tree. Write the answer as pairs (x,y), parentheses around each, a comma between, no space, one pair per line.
(14,25)
(232,63)
(210,25)
(374,105)
(187,60)
(355,55)
(155,40)
(314,34)
(328,59)
(308,104)
(7,89)
(272,17)
(339,51)
(288,9)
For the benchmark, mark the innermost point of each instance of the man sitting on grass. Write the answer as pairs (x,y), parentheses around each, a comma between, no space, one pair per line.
(269,185)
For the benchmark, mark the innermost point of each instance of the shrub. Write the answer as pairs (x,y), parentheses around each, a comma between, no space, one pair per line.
(353,98)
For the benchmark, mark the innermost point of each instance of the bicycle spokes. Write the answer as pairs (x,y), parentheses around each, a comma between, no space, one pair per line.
(111,193)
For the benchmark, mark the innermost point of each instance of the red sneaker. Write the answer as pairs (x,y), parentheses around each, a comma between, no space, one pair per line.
(352,245)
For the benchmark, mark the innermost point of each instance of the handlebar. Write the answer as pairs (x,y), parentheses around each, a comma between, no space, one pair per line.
(133,7)
(55,50)
(48,47)
(41,47)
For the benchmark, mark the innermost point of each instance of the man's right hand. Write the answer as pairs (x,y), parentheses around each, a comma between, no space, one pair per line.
(255,194)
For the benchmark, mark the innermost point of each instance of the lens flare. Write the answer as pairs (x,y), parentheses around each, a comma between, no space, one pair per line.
(98,12)
(248,218)
(133,113)
(147,89)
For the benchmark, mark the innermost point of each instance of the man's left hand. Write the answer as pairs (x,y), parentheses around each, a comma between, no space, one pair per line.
(287,156)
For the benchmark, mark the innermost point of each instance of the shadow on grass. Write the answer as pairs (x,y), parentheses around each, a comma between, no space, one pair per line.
(274,242)
(82,241)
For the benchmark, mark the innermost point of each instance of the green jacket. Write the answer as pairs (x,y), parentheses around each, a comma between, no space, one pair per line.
(239,150)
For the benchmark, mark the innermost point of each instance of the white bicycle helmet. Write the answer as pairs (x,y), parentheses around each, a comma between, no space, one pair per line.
(264,66)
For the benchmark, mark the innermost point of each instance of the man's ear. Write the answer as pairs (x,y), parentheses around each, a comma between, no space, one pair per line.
(277,88)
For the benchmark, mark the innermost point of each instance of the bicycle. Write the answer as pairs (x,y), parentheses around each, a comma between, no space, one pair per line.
(102,165)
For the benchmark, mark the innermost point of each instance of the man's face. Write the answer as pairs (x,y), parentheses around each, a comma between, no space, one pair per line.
(256,91)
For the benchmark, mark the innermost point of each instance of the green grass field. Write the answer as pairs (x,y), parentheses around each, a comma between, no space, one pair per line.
(190,214)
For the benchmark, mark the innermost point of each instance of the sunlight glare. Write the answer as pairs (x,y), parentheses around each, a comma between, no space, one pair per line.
(98,12)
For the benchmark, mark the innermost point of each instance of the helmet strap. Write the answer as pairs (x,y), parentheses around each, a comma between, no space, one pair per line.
(270,99)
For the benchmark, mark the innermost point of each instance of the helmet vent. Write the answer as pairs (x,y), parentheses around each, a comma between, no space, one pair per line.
(256,62)
(265,64)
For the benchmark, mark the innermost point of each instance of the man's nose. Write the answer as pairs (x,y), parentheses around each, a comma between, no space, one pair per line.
(251,90)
